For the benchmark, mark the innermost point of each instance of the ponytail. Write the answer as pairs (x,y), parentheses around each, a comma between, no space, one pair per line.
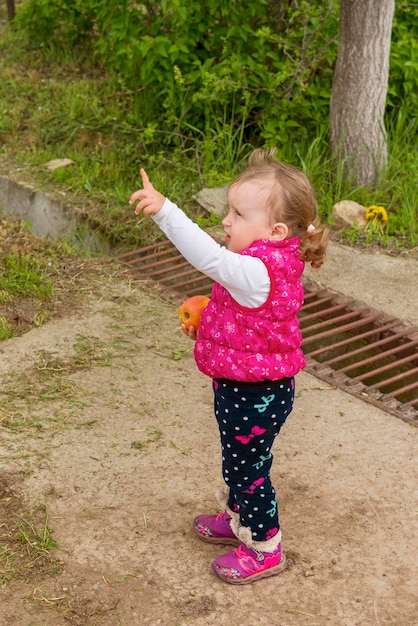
(313,245)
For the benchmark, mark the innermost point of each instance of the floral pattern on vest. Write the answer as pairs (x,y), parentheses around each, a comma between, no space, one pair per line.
(256,344)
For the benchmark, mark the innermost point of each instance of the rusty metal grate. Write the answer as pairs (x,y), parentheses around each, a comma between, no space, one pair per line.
(347,344)
(361,350)
(162,262)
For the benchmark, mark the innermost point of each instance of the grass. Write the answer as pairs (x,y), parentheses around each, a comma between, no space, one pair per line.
(41,278)
(37,541)
(397,190)
(48,380)
(32,273)
(27,544)
(23,276)
(7,330)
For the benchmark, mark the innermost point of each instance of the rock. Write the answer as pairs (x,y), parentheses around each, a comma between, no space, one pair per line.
(346,213)
(213,200)
(57,163)
(217,233)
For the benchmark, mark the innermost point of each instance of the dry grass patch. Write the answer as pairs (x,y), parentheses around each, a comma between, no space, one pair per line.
(27,546)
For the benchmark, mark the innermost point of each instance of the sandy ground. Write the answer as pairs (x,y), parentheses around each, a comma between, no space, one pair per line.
(120,449)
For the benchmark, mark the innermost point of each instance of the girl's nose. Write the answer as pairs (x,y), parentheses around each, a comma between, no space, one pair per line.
(226,221)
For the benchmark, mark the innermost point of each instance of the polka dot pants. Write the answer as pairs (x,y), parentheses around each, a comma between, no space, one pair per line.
(249,419)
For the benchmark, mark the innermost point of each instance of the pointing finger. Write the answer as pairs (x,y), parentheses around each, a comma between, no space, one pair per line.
(145,180)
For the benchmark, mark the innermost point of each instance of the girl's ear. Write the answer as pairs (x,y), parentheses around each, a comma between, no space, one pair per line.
(279,231)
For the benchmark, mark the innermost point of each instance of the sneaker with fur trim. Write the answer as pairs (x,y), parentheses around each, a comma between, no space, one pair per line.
(215,529)
(244,565)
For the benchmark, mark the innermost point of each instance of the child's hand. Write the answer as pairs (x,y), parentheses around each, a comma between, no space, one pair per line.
(151,200)
(191,332)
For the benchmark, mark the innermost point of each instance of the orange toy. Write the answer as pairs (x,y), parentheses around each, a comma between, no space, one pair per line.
(191,310)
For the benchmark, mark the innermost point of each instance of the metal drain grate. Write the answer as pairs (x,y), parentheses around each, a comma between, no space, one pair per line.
(361,350)
(347,344)
(162,262)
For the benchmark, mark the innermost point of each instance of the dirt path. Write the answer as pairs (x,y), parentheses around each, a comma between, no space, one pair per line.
(108,427)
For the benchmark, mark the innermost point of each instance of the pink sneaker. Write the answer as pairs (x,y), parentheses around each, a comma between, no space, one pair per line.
(244,565)
(215,529)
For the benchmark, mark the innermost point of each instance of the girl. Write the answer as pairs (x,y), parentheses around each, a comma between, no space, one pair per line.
(249,343)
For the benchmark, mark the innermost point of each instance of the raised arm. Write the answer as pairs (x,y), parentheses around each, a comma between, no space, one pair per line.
(245,277)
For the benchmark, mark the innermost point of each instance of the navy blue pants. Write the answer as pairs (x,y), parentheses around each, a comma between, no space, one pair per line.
(250,417)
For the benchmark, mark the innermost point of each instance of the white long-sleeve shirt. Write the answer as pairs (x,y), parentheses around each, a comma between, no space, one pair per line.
(245,277)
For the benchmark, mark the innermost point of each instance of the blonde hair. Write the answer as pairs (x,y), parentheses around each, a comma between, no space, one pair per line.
(291,201)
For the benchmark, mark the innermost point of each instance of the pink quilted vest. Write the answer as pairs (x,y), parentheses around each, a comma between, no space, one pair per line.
(256,344)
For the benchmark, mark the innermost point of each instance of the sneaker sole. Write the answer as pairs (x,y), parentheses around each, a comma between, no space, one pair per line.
(274,571)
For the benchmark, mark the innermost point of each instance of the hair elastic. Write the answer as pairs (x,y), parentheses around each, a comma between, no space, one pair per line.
(311,228)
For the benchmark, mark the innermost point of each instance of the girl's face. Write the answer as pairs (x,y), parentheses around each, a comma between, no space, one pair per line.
(248,218)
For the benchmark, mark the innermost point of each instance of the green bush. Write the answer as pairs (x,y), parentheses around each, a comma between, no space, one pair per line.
(403,72)
(188,88)
(191,66)
(262,70)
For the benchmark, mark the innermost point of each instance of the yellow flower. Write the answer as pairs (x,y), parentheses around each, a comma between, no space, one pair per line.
(377,215)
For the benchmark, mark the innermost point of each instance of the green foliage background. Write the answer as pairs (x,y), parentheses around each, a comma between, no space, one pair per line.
(205,82)
(267,66)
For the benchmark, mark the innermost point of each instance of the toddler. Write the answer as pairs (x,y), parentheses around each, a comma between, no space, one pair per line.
(249,343)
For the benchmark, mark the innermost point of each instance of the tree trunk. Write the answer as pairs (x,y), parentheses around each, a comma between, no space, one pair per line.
(10,9)
(358,97)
